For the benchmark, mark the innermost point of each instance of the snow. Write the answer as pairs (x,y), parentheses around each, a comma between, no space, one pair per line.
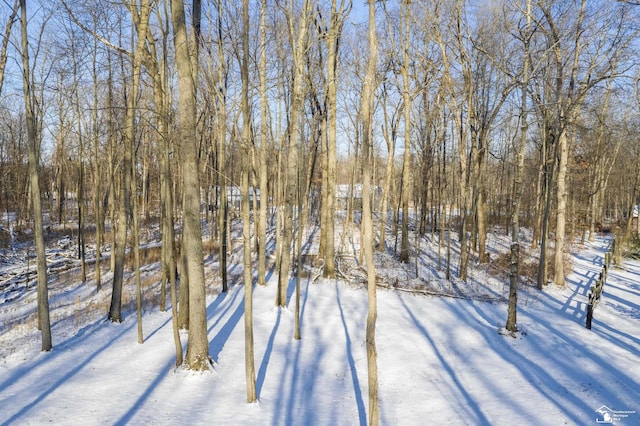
(441,360)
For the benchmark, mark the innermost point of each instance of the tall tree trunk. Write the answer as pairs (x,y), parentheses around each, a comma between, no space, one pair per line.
(329,200)
(549,169)
(299,41)
(561,208)
(80,182)
(198,343)
(136,250)
(564,119)
(34,178)
(406,162)
(161,100)
(389,134)
(249,362)
(97,210)
(367,223)
(124,210)
(111,138)
(223,214)
(512,324)
(183,291)
(262,227)
(537,215)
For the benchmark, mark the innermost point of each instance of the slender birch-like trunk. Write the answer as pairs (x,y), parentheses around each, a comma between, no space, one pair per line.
(299,41)
(250,370)
(34,178)
(367,223)
(263,172)
(512,324)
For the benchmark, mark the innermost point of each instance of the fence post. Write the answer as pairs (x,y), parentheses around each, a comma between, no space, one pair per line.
(596,291)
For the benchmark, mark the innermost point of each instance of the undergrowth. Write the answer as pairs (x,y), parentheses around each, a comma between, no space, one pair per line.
(632,247)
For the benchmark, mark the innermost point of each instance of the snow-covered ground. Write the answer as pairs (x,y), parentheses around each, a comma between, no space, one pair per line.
(441,360)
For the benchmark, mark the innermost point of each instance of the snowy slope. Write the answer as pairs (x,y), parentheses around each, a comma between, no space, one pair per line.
(441,361)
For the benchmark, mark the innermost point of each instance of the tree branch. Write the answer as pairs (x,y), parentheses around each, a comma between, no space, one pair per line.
(94,34)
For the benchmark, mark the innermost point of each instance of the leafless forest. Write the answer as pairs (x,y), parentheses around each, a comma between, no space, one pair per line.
(449,117)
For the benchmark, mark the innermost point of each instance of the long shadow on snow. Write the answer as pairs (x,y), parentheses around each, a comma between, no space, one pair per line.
(296,379)
(632,309)
(597,260)
(294,363)
(362,414)
(629,271)
(470,403)
(616,336)
(212,309)
(578,313)
(574,308)
(27,370)
(160,327)
(128,416)
(486,329)
(580,288)
(58,350)
(570,366)
(292,359)
(311,413)
(594,355)
(262,370)
(629,287)
(309,241)
(621,282)
(291,288)
(536,375)
(220,339)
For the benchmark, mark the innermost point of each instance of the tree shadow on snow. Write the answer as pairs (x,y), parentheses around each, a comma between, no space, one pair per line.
(569,359)
(262,370)
(545,381)
(222,336)
(25,371)
(475,415)
(128,416)
(362,414)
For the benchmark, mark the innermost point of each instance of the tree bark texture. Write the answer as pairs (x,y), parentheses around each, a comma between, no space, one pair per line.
(34,178)
(198,344)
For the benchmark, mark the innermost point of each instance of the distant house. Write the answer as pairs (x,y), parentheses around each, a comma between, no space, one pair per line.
(234,196)
(345,191)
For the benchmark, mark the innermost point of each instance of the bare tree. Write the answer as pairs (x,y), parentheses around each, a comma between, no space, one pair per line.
(264,132)
(299,41)
(407,101)
(367,222)
(338,16)
(389,133)
(5,41)
(97,174)
(34,178)
(125,209)
(221,95)
(582,52)
(250,370)
(512,324)
(186,62)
